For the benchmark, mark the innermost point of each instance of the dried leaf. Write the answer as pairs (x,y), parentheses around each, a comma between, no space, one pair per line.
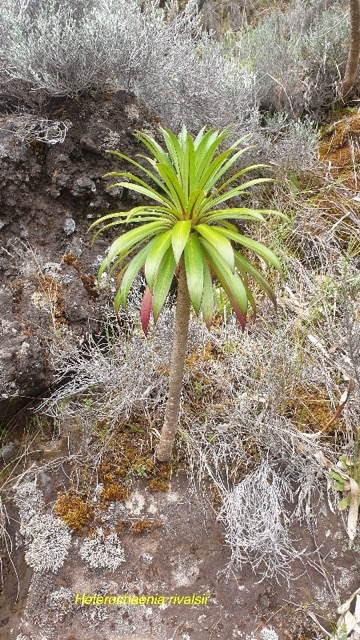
(353,509)
(349,621)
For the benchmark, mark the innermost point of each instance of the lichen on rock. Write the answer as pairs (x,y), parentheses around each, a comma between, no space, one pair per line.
(102,551)
(47,538)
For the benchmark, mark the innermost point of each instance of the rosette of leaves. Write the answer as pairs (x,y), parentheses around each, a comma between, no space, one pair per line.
(187,231)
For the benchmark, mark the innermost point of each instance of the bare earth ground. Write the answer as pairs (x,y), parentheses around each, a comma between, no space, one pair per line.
(184,554)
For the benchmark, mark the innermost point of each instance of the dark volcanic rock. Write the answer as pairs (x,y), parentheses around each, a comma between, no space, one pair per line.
(50,192)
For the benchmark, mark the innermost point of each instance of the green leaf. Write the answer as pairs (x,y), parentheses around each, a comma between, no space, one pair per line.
(207,303)
(232,213)
(231,282)
(125,216)
(205,152)
(191,164)
(335,475)
(199,138)
(149,192)
(194,204)
(215,236)
(221,165)
(245,265)
(213,201)
(208,177)
(180,234)
(163,282)
(132,178)
(238,174)
(132,238)
(148,173)
(155,256)
(174,186)
(155,149)
(131,271)
(194,267)
(249,295)
(345,502)
(174,149)
(106,226)
(233,157)
(274,212)
(215,169)
(259,248)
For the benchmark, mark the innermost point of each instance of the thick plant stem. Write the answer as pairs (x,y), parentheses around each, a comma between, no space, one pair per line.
(182,316)
(354,51)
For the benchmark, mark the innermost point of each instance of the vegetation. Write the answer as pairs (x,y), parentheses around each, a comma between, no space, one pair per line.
(287,64)
(269,419)
(188,233)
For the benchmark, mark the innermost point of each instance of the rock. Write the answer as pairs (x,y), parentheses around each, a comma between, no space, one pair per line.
(8,452)
(69,226)
(49,194)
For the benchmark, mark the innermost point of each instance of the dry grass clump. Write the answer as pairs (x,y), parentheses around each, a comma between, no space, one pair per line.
(256,518)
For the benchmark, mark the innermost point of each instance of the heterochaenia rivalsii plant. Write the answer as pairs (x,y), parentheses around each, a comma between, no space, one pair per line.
(187,233)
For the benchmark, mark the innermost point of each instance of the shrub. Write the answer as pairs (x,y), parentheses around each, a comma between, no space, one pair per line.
(67,48)
(289,60)
(297,55)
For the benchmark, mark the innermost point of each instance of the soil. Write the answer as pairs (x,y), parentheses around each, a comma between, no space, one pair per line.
(174,548)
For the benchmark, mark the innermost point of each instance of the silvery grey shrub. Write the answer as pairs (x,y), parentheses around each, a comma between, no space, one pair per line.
(289,60)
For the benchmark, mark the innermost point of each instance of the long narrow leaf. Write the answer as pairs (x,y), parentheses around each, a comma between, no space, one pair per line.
(145,311)
(133,178)
(131,271)
(233,193)
(206,152)
(243,263)
(155,256)
(217,238)
(207,303)
(154,147)
(225,166)
(194,204)
(180,235)
(206,182)
(174,149)
(238,174)
(149,192)
(133,237)
(232,214)
(194,267)
(259,248)
(135,164)
(178,196)
(163,282)
(229,281)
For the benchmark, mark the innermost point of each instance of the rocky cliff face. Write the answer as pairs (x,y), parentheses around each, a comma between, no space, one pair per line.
(51,189)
